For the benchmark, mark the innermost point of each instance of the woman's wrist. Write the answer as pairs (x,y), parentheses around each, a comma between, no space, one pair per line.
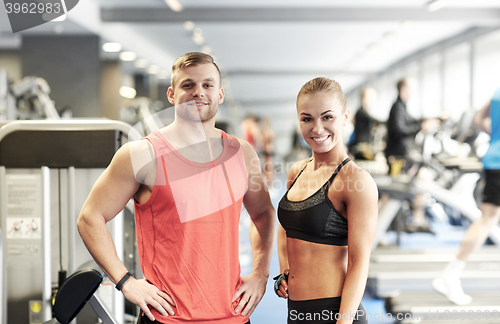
(277,281)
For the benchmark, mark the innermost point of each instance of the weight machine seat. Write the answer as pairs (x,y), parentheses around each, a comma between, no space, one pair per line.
(74,293)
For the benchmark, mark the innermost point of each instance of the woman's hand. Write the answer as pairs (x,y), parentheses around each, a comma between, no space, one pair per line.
(282,290)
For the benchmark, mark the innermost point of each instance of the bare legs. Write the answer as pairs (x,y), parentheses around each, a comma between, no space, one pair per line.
(479,230)
(448,283)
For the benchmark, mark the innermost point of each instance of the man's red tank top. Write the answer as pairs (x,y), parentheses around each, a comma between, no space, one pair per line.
(188,232)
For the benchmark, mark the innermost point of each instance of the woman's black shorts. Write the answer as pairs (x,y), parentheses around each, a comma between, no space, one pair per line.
(321,311)
(491,192)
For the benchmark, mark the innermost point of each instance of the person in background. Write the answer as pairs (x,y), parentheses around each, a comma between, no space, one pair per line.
(251,132)
(360,146)
(187,198)
(328,217)
(268,149)
(448,283)
(401,131)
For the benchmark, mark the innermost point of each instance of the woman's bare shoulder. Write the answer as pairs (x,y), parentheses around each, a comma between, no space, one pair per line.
(359,182)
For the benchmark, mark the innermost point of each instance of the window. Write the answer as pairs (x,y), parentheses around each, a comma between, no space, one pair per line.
(457,87)
(431,86)
(486,68)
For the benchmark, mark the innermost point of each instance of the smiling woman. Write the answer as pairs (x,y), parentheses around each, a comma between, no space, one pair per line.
(322,111)
(328,217)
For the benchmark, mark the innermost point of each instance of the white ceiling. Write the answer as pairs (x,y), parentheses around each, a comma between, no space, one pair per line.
(302,3)
(269,48)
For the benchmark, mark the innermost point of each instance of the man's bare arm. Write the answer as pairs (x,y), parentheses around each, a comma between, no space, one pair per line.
(482,118)
(262,233)
(108,197)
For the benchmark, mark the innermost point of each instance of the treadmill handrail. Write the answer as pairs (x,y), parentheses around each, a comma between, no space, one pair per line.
(66,124)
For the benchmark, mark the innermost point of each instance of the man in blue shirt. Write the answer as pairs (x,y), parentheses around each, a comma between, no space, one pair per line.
(448,283)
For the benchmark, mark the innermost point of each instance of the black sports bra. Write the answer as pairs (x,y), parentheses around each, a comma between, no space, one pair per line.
(314,219)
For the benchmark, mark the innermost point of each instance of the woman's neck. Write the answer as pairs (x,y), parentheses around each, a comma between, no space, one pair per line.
(331,158)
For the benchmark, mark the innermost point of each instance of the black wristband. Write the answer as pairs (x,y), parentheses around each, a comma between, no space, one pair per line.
(277,281)
(120,283)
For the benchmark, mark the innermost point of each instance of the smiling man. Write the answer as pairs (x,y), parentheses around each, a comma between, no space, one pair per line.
(188,199)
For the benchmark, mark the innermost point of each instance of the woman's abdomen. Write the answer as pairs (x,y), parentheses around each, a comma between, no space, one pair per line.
(316,270)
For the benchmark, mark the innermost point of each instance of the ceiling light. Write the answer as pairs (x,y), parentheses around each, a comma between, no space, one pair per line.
(58,29)
(128,56)
(206,49)
(189,25)
(198,32)
(198,39)
(153,69)
(112,47)
(141,63)
(127,92)
(174,5)
(435,5)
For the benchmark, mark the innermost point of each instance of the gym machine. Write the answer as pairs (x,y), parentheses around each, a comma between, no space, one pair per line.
(47,168)
(7,101)
(397,271)
(402,276)
(453,183)
(144,115)
(27,98)
(77,290)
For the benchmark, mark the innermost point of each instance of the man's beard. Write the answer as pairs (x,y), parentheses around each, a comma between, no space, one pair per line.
(189,111)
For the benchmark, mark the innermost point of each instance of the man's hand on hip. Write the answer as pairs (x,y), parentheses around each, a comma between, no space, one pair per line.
(251,292)
(142,293)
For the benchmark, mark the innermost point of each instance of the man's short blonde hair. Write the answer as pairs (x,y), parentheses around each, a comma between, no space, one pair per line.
(322,84)
(191,59)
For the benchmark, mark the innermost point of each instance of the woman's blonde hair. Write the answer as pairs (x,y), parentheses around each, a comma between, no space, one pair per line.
(322,84)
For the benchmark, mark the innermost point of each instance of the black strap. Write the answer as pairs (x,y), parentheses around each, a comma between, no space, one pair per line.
(120,283)
(337,170)
(298,175)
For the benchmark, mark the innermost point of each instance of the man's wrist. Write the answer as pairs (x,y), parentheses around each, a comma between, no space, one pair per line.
(261,273)
(123,280)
